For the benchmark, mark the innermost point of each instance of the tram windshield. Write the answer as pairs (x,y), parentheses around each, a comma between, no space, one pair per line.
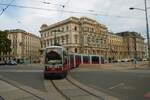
(53,56)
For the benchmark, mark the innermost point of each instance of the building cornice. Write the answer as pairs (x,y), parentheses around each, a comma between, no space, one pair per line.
(23,32)
(130,34)
(76,20)
(70,19)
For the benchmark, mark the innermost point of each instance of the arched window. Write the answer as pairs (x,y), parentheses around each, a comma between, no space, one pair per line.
(75,50)
(67,39)
(92,29)
(67,28)
(75,28)
(51,42)
(62,29)
(76,38)
(62,39)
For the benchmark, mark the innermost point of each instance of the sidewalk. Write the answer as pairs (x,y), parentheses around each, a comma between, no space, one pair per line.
(117,66)
(9,92)
(31,65)
(126,65)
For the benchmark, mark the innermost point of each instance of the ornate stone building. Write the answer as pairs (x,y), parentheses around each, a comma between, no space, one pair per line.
(87,36)
(78,35)
(134,43)
(24,45)
(116,47)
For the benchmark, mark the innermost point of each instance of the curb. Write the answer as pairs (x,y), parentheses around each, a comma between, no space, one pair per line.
(30,90)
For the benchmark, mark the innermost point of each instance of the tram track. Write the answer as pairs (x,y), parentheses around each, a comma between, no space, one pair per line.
(59,90)
(100,98)
(71,91)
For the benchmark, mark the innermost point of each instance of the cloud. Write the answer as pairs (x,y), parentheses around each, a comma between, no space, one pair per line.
(119,17)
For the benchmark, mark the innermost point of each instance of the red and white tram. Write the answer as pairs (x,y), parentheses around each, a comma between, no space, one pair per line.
(56,62)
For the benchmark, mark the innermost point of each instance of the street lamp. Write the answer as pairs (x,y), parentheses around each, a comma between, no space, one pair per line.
(147,26)
(136,8)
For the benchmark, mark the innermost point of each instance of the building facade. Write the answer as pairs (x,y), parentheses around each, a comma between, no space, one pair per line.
(24,45)
(146,50)
(77,35)
(134,43)
(87,36)
(116,47)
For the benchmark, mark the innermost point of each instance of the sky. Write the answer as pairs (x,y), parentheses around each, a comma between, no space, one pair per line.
(115,14)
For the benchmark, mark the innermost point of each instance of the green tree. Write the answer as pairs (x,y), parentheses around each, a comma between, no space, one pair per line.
(5,43)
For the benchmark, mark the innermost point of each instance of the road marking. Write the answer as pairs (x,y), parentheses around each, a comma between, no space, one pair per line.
(147,95)
(115,86)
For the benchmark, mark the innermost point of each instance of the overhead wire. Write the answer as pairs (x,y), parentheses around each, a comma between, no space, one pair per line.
(53,4)
(6,7)
(45,2)
(63,8)
(69,11)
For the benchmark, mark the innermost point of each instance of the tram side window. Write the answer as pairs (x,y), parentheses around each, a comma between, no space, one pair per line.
(102,60)
(78,60)
(86,59)
(65,57)
(72,61)
(95,59)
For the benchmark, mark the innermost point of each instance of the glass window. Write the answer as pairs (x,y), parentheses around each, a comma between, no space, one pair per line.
(53,56)
(76,39)
(67,28)
(62,29)
(75,28)
(86,59)
(67,39)
(76,50)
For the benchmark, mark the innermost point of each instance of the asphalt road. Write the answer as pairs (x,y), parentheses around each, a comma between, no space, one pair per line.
(128,85)
(32,78)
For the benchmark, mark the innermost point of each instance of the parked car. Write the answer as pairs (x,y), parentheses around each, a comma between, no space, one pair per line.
(118,60)
(21,62)
(106,61)
(115,61)
(125,60)
(11,62)
(144,59)
(2,62)
(132,59)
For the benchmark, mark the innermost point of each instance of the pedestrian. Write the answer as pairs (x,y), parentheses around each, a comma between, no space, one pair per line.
(135,62)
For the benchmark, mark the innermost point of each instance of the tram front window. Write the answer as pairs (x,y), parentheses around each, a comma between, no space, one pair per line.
(53,57)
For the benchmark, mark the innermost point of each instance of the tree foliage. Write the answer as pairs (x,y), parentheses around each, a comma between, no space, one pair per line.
(5,43)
